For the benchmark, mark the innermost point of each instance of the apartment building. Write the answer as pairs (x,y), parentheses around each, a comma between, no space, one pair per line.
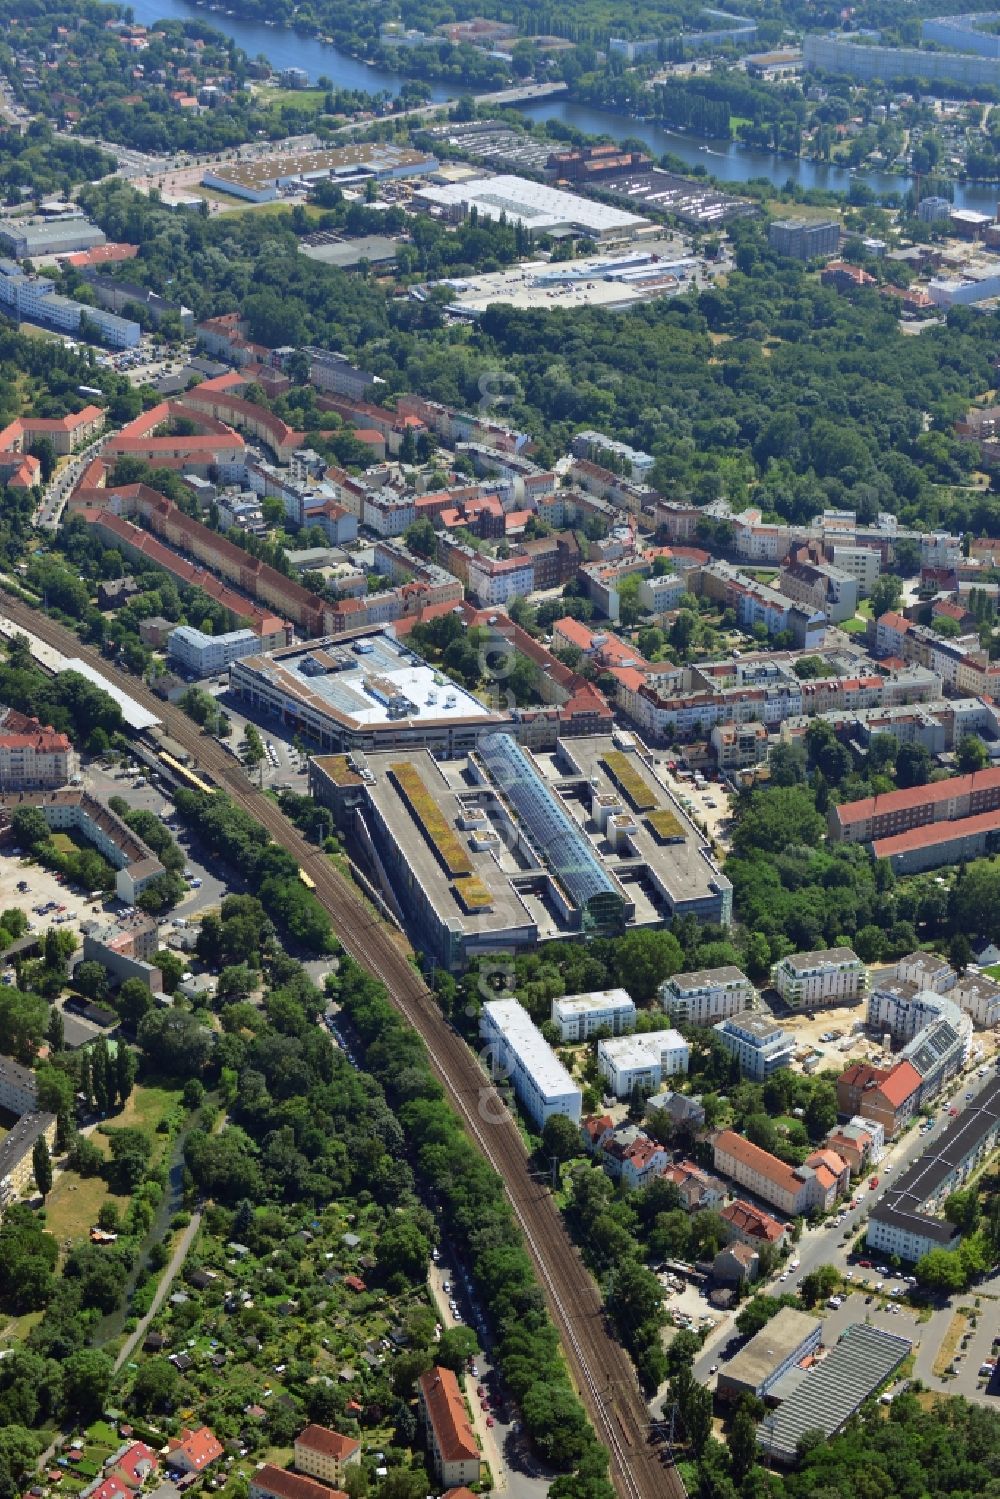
(697,1188)
(896,812)
(206,655)
(33,299)
(33,757)
(747,1224)
(18,1087)
(16,1151)
(901,1010)
(643,1061)
(812,980)
(855,1144)
(706,995)
(888,1096)
(759,1044)
(631,1157)
(519,1052)
(580,1016)
(978,997)
(907,1221)
(134,861)
(821,586)
(793,1190)
(271,1482)
(450,1438)
(325,1454)
(802,239)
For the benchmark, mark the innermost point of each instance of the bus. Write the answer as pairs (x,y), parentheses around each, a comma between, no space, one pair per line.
(307,880)
(184,775)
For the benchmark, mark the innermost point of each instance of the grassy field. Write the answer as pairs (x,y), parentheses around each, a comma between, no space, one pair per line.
(311,99)
(854,626)
(73,1205)
(148,1106)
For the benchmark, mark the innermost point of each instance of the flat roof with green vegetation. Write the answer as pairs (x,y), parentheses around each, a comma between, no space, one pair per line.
(428,814)
(621,770)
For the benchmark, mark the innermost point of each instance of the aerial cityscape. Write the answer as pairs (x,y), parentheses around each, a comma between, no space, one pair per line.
(499,750)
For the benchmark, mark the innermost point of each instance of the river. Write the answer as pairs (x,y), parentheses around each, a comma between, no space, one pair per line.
(722,159)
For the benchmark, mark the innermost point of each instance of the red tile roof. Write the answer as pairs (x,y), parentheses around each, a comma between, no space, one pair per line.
(902,1082)
(753,1221)
(329,1443)
(917,796)
(893,621)
(447,1415)
(284,1485)
(199,1448)
(936,832)
(756,1159)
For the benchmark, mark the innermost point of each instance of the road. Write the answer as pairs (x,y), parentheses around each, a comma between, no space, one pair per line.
(53,501)
(600,1368)
(166,1281)
(827,1245)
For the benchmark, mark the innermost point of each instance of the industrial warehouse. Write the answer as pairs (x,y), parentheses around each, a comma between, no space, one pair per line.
(535,205)
(501,849)
(264,180)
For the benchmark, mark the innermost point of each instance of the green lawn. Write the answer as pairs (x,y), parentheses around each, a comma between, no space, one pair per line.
(993,971)
(854,626)
(301,98)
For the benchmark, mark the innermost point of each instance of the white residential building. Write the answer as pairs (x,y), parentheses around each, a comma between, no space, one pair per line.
(387,513)
(658,594)
(758,1043)
(206,655)
(901,1010)
(811,980)
(497,581)
(518,1049)
(580,1016)
(864,564)
(927,971)
(18,1088)
(642,1061)
(706,995)
(979,997)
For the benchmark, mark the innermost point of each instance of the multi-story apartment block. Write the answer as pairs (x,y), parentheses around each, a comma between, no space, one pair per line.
(450,1438)
(811,980)
(908,1221)
(706,995)
(326,1454)
(746,1224)
(16,1152)
(889,1097)
(33,299)
(978,997)
(793,1190)
(206,655)
(802,239)
(580,1016)
(926,971)
(630,1062)
(520,1052)
(33,758)
(896,812)
(757,1042)
(18,1087)
(901,1010)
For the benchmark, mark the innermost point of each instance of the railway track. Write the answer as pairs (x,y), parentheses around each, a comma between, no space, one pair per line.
(601,1370)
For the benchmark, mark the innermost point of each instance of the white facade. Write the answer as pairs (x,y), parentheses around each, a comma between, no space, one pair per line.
(662,593)
(927,971)
(580,1016)
(706,996)
(863,563)
(642,1061)
(36,761)
(18,1088)
(759,1045)
(807,980)
(205,655)
(979,997)
(541,1083)
(492,583)
(903,1014)
(387,513)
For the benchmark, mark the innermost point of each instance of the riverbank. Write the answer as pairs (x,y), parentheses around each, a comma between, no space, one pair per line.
(728,161)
